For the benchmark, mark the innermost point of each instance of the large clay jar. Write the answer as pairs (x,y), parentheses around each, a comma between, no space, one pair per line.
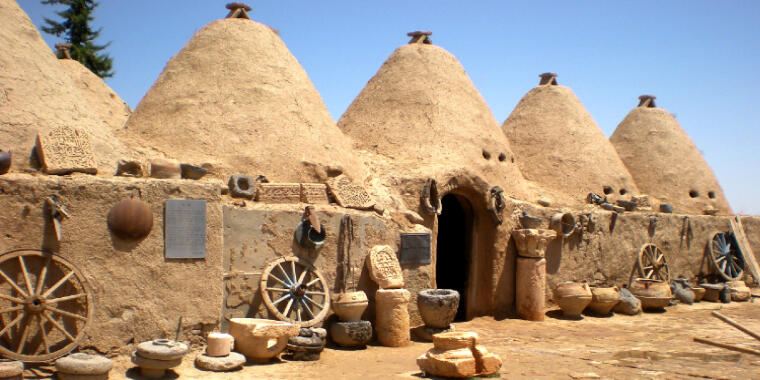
(654,294)
(739,291)
(603,300)
(438,307)
(130,219)
(261,339)
(5,162)
(572,298)
(350,306)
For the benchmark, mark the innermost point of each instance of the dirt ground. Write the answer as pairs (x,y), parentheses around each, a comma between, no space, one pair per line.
(646,346)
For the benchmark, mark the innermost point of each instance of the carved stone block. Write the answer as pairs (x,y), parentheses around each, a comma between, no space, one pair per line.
(384,267)
(348,194)
(314,193)
(65,150)
(279,193)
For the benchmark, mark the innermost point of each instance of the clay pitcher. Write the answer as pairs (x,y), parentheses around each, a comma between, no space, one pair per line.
(654,294)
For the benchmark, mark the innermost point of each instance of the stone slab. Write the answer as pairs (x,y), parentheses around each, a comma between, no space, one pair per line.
(348,194)
(279,193)
(185,229)
(384,267)
(415,248)
(314,193)
(65,150)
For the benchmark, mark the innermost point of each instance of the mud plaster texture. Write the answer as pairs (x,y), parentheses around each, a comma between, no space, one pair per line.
(558,145)
(37,94)
(665,162)
(236,80)
(138,294)
(256,234)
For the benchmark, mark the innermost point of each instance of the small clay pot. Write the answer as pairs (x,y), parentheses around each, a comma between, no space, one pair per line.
(438,307)
(351,334)
(603,300)
(130,219)
(699,292)
(563,223)
(350,306)
(654,294)
(572,298)
(5,162)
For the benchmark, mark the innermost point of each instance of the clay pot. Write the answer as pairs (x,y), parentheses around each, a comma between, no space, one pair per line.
(163,168)
(712,291)
(603,300)
(261,339)
(350,306)
(563,223)
(654,294)
(308,237)
(130,219)
(572,298)
(438,307)
(699,292)
(739,291)
(351,334)
(219,344)
(532,242)
(5,162)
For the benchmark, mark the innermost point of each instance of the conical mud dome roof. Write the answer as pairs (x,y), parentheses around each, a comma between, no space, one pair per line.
(559,146)
(37,95)
(665,162)
(423,112)
(236,97)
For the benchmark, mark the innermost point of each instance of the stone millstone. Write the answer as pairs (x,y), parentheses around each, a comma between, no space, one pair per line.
(69,376)
(155,363)
(83,364)
(455,339)
(10,368)
(162,349)
(221,363)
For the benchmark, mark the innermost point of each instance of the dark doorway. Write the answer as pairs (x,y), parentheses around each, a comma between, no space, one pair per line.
(453,248)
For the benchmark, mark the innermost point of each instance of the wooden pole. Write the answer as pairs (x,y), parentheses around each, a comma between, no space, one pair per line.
(728,346)
(735,324)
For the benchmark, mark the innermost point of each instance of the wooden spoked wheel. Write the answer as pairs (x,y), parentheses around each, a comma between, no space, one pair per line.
(45,306)
(726,256)
(652,263)
(294,291)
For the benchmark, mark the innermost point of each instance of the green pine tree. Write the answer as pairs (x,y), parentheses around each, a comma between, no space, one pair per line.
(76,30)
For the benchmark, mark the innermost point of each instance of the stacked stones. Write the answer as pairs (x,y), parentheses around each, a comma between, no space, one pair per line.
(218,356)
(391,300)
(154,357)
(437,307)
(458,354)
(308,344)
(531,271)
(81,366)
(11,369)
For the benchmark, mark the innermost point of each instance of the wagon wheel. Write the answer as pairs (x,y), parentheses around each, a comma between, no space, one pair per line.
(45,305)
(726,256)
(652,264)
(294,291)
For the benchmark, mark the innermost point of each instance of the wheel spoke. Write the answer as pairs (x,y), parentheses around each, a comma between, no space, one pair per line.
(43,274)
(277,289)
(298,311)
(58,284)
(293,268)
(306,307)
(13,284)
(58,326)
(283,298)
(723,266)
(10,325)
(721,258)
(24,333)
(312,282)
(22,264)
(287,277)
(301,277)
(42,333)
(8,310)
(313,302)
(66,313)
(287,308)
(12,299)
(315,292)
(66,298)
(273,277)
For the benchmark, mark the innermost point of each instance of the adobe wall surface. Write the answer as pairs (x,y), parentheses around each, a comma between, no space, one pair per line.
(256,234)
(752,232)
(138,294)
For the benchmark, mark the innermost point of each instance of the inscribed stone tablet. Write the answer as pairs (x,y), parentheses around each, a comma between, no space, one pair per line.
(384,268)
(185,229)
(314,193)
(65,150)
(348,194)
(415,248)
(279,193)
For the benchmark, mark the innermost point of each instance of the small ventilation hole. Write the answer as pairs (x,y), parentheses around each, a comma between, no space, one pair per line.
(513,159)
(623,191)
(711,194)
(486,154)
(693,193)
(502,157)
(608,190)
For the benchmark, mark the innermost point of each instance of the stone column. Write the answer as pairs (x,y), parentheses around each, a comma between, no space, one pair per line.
(531,288)
(392,318)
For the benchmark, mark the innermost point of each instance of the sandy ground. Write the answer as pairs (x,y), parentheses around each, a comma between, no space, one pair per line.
(646,346)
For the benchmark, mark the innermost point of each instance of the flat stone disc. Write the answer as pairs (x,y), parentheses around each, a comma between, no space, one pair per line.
(83,364)
(162,349)
(154,363)
(220,364)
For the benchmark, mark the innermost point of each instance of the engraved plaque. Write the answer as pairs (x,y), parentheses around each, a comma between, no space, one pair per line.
(348,194)
(64,150)
(415,248)
(384,268)
(185,229)
(314,193)
(279,193)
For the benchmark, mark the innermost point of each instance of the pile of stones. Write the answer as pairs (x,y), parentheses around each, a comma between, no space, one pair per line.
(81,366)
(219,356)
(154,357)
(458,354)
(308,344)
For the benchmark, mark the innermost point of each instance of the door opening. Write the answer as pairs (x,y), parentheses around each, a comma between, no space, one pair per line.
(454,247)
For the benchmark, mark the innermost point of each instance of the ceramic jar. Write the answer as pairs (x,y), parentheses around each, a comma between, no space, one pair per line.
(350,306)
(699,292)
(572,298)
(130,219)
(654,294)
(438,307)
(603,299)
(261,339)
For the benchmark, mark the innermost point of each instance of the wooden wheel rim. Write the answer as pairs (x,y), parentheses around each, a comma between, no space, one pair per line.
(35,304)
(292,288)
(727,259)
(652,263)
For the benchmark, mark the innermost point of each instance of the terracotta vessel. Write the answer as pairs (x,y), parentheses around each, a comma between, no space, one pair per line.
(5,162)
(219,344)
(130,219)
(654,294)
(438,307)
(351,334)
(532,242)
(350,306)
(563,223)
(699,292)
(572,298)
(603,300)
(739,291)
(261,339)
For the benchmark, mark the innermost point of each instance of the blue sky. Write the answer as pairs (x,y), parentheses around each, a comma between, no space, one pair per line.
(700,58)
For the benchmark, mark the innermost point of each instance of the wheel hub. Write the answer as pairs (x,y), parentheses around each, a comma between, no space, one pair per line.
(298,290)
(34,304)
